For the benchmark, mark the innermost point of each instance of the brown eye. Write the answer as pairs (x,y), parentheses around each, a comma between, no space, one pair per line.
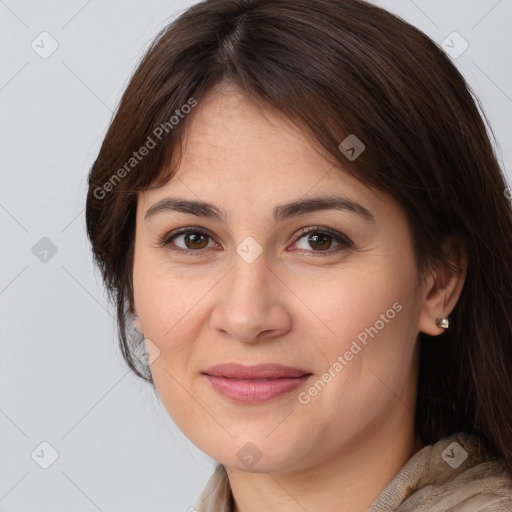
(317,240)
(320,240)
(195,240)
(187,241)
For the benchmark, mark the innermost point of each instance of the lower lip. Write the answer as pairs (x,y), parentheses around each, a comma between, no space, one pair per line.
(255,390)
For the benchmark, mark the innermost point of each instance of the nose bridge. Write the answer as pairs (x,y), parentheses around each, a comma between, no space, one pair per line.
(248,289)
(249,275)
(248,303)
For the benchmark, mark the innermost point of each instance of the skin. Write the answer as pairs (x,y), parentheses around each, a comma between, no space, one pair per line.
(291,306)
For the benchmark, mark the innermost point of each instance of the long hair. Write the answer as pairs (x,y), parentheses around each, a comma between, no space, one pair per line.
(338,68)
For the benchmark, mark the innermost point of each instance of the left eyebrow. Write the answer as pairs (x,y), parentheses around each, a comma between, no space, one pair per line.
(280,213)
(313,204)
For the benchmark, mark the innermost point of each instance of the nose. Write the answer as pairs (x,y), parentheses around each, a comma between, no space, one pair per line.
(251,303)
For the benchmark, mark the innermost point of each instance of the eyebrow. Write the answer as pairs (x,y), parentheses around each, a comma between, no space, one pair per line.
(281,212)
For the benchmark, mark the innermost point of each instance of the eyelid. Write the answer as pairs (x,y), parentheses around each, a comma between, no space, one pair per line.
(166,239)
(339,237)
(342,239)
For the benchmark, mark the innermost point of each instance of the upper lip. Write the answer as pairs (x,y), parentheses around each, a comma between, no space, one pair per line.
(260,371)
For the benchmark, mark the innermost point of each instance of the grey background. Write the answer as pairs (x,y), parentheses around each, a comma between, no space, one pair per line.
(62,377)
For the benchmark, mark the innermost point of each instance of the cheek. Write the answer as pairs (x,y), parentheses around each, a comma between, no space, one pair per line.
(162,295)
(173,308)
(373,316)
(354,302)
(170,322)
(373,319)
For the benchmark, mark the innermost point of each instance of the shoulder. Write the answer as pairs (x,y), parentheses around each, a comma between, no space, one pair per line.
(216,496)
(455,474)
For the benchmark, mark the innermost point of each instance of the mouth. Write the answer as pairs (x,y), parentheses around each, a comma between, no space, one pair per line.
(258,383)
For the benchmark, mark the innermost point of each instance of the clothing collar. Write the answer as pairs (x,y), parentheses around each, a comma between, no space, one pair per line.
(453,474)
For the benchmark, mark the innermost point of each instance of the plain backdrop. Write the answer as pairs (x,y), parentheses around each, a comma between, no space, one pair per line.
(63,382)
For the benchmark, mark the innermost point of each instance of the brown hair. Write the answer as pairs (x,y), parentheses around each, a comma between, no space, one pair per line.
(338,67)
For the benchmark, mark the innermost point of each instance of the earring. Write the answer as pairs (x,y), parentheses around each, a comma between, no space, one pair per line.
(443,322)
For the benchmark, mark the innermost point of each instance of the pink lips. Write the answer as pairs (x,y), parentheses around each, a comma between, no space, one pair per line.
(258,383)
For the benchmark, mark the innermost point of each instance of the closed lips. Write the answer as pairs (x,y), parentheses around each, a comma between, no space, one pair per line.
(257,372)
(254,384)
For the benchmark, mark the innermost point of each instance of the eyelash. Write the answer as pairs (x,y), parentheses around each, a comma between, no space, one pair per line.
(345,242)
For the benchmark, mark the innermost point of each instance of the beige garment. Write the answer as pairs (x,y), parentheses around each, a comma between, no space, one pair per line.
(438,478)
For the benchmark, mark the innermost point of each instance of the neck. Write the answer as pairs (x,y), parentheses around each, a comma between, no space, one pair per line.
(349,479)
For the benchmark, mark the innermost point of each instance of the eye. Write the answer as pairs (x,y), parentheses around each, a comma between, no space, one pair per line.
(321,240)
(193,240)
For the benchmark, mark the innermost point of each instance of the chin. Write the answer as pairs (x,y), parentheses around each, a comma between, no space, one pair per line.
(257,456)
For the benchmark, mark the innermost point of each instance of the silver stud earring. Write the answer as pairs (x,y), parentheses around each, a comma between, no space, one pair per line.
(443,322)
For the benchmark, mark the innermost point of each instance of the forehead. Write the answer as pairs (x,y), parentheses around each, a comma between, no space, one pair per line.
(245,155)
(227,128)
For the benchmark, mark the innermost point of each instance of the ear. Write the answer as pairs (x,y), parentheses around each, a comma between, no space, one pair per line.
(443,286)
(137,324)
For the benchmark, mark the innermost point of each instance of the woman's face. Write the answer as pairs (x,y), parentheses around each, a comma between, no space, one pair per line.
(340,307)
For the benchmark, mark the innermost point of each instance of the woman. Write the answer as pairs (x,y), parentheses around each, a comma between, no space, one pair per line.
(300,205)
